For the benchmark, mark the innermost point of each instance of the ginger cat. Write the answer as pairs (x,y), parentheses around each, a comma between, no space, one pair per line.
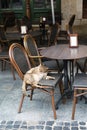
(34,75)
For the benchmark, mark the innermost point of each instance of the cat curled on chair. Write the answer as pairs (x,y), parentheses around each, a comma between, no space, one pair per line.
(34,75)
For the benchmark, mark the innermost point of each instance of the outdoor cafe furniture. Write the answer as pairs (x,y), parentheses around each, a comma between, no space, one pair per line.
(21,63)
(82,65)
(18,35)
(13,36)
(80,90)
(53,34)
(35,58)
(68,55)
(69,28)
(26,21)
(4,56)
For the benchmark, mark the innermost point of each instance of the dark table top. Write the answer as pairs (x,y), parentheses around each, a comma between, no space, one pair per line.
(13,35)
(18,35)
(36,33)
(64,52)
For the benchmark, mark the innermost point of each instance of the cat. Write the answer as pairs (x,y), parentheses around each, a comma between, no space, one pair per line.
(34,75)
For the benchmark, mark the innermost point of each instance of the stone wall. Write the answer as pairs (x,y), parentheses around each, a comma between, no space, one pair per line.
(69,7)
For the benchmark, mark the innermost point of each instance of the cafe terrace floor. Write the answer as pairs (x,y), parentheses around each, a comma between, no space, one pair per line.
(37,110)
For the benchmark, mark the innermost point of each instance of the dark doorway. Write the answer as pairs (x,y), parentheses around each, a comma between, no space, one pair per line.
(5,3)
(84,8)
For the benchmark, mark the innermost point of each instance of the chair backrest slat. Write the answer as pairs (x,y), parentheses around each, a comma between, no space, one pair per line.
(53,34)
(70,24)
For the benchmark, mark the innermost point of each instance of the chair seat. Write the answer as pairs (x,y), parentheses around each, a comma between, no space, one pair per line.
(80,80)
(51,82)
(52,64)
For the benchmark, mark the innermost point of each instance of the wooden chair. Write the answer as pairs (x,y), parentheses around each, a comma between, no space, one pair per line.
(81,65)
(8,19)
(54,30)
(69,30)
(35,57)
(27,22)
(4,56)
(11,23)
(21,63)
(80,89)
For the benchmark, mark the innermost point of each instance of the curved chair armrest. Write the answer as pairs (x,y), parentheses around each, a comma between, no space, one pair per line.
(36,56)
(41,48)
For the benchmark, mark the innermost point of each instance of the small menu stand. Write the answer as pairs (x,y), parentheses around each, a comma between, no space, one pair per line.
(73,40)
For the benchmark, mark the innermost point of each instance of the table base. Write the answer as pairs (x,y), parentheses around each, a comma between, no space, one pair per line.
(68,79)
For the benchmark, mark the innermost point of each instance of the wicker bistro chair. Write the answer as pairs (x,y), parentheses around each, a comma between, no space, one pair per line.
(69,28)
(80,89)
(11,23)
(21,63)
(81,65)
(53,34)
(27,22)
(4,54)
(35,57)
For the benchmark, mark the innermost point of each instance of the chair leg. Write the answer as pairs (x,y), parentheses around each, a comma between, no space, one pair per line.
(77,70)
(31,94)
(61,87)
(1,65)
(53,104)
(74,104)
(21,102)
(12,69)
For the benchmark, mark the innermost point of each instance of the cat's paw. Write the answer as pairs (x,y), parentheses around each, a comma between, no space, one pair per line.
(50,77)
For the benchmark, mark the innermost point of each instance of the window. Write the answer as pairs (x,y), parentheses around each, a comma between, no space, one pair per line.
(38,3)
(5,4)
(48,3)
(84,8)
(17,4)
(43,4)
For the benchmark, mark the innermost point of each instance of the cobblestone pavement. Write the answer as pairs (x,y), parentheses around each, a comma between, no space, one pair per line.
(43,125)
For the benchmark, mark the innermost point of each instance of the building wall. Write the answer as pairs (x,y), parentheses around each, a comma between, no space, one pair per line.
(69,7)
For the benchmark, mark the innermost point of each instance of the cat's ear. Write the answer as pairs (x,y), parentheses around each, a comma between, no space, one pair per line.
(41,65)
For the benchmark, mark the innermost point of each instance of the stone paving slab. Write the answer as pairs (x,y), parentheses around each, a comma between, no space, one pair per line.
(36,114)
(42,125)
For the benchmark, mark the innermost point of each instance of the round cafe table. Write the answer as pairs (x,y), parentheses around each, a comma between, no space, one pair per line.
(64,52)
(68,55)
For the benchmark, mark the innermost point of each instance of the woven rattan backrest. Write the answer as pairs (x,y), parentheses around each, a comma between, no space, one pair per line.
(19,59)
(27,22)
(53,34)
(71,22)
(72,19)
(32,49)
